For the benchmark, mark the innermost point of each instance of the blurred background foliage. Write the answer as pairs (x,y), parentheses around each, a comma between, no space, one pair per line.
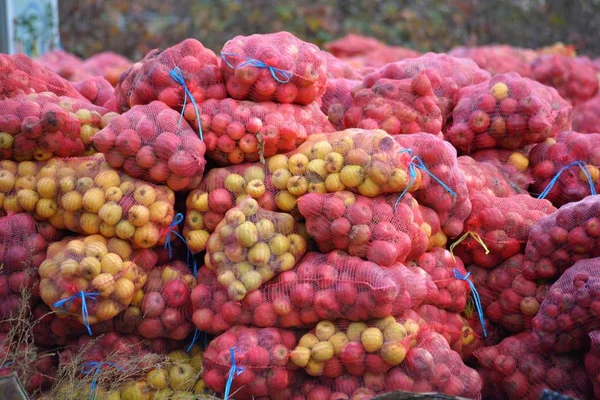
(133,27)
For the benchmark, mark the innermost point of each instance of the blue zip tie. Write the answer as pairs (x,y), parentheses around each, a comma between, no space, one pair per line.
(95,366)
(285,74)
(7,364)
(416,161)
(476,298)
(66,304)
(176,221)
(233,372)
(197,333)
(177,76)
(583,168)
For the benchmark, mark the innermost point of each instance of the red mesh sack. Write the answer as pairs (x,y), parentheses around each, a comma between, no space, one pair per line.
(151,142)
(340,69)
(37,370)
(383,355)
(321,286)
(592,362)
(337,99)
(443,74)
(242,131)
(443,187)
(499,59)
(85,195)
(40,126)
(273,67)
(487,177)
(259,242)
(514,165)
(257,357)
(566,169)
(574,78)
(97,90)
(498,227)
(22,250)
(507,298)
(90,278)
(562,238)
(507,111)
(65,64)
(523,370)
(586,116)
(108,65)
(185,73)
(449,292)
(353,45)
(366,162)
(398,106)
(569,311)
(163,308)
(379,230)
(22,75)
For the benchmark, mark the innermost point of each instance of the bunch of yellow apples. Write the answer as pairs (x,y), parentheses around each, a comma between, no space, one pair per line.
(87,196)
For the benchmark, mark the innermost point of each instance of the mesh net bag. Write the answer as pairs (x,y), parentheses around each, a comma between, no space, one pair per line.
(507,298)
(507,111)
(592,362)
(568,313)
(449,292)
(353,45)
(321,286)
(22,250)
(41,125)
(258,358)
(97,90)
(85,195)
(152,143)
(163,307)
(363,359)
(514,165)
(367,162)
(443,186)
(586,116)
(379,230)
(35,368)
(443,74)
(487,177)
(499,59)
(108,65)
(65,64)
(574,78)
(566,169)
(374,59)
(259,242)
(523,370)
(90,278)
(398,106)
(243,131)
(499,227)
(186,72)
(337,99)
(22,75)
(340,69)
(562,238)
(275,67)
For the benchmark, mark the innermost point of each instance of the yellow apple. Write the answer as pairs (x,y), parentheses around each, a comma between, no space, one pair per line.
(277,162)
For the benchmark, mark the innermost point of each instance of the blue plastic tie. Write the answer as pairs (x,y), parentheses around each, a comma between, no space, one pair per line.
(416,162)
(176,221)
(177,76)
(286,75)
(7,364)
(197,333)
(583,168)
(476,299)
(233,372)
(95,367)
(66,304)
